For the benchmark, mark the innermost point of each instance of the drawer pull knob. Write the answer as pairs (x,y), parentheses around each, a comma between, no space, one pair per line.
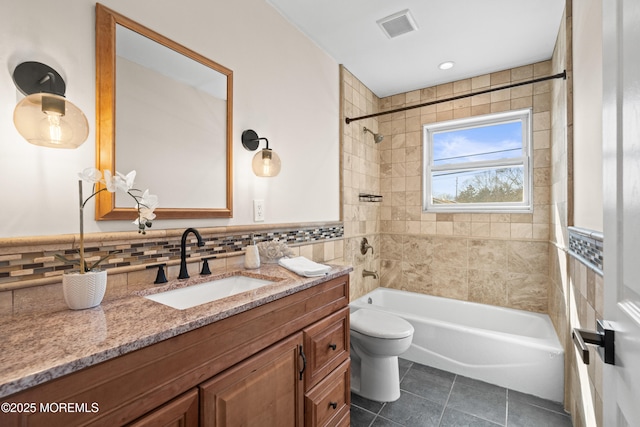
(332,346)
(334,405)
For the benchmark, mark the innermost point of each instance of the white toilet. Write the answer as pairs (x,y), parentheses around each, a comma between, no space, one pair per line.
(377,339)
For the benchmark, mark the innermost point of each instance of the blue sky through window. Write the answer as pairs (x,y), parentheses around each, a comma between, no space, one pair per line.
(497,141)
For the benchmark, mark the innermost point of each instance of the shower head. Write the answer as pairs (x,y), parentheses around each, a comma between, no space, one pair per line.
(376,136)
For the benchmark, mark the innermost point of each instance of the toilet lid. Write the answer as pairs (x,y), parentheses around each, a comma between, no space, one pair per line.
(380,325)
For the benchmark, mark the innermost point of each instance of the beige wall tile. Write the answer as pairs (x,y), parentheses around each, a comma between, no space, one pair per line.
(500,78)
(527,257)
(6,303)
(462,86)
(521,231)
(479,110)
(444,228)
(487,254)
(391,273)
(481,81)
(450,252)
(540,231)
(461,228)
(500,230)
(481,229)
(415,277)
(428,227)
(40,299)
(391,246)
(527,291)
(488,287)
(450,283)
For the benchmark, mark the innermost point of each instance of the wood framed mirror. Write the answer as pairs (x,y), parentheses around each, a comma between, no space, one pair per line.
(166,112)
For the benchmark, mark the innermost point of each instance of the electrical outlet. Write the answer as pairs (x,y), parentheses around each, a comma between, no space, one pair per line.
(258,210)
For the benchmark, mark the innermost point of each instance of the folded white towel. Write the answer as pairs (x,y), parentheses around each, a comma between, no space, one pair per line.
(304,267)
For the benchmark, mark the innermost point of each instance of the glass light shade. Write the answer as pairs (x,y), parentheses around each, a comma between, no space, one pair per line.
(50,120)
(266,163)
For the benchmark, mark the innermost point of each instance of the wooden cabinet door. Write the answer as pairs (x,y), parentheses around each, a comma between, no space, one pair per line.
(266,390)
(180,412)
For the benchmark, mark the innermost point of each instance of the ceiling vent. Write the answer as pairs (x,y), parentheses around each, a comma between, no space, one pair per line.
(398,24)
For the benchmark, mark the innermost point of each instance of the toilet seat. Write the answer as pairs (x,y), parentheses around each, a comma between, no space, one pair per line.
(380,325)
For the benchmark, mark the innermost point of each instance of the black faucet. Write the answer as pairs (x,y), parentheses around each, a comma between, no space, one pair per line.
(183,251)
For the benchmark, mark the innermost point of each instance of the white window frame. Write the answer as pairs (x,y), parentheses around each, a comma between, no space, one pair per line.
(526,160)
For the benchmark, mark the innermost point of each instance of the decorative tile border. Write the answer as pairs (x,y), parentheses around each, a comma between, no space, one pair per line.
(32,262)
(587,246)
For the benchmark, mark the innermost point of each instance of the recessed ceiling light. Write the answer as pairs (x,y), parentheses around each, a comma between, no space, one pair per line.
(446,65)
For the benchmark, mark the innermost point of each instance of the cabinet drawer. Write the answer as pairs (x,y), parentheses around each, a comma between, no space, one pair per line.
(329,402)
(326,344)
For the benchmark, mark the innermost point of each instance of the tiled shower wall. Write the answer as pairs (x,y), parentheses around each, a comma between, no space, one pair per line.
(499,259)
(360,175)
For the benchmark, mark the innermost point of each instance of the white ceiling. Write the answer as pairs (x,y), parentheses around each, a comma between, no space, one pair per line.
(480,36)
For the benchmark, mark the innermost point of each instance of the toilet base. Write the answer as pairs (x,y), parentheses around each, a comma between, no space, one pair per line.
(376,378)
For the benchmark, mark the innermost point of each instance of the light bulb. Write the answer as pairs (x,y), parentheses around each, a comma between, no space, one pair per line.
(54,129)
(266,166)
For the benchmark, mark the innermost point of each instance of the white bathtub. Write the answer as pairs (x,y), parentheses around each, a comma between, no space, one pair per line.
(515,349)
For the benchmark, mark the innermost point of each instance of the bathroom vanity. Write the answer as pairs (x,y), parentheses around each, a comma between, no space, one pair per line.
(278,356)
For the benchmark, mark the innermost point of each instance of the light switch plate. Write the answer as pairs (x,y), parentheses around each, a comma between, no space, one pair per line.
(258,210)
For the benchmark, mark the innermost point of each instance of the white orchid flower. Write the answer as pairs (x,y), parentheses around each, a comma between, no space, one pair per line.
(91,175)
(119,181)
(125,182)
(146,205)
(110,181)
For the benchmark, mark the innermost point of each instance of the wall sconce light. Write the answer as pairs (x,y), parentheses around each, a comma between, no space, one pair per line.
(44,117)
(266,162)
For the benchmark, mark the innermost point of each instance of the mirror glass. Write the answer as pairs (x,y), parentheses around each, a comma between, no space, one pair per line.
(165,112)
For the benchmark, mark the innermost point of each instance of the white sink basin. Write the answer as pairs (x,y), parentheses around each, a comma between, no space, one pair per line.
(191,296)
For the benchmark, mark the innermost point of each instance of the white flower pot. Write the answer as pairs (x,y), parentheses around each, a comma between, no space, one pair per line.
(84,290)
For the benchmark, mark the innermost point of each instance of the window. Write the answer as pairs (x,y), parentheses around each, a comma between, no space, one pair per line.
(479,164)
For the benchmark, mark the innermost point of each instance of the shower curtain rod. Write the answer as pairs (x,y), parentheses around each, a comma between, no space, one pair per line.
(562,75)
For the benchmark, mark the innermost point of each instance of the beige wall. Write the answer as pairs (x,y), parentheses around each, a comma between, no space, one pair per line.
(285,88)
(499,259)
(587,114)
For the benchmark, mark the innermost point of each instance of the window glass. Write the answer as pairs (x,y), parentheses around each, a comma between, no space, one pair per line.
(479,164)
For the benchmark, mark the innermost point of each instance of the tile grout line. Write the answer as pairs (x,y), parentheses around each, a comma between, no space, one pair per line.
(446,403)
(506,415)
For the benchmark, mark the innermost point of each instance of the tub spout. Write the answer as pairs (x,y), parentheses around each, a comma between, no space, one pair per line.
(366,273)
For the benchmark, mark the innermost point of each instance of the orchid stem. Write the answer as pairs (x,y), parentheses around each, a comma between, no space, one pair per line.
(81,228)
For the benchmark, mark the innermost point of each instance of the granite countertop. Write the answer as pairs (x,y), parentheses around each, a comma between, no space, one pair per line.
(36,349)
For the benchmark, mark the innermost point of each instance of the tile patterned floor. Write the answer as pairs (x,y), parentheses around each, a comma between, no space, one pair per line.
(431,397)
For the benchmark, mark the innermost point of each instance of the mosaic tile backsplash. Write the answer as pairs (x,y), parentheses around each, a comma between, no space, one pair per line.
(41,263)
(587,246)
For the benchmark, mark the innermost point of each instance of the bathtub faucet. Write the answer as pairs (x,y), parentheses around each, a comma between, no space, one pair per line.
(366,273)
(365,246)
